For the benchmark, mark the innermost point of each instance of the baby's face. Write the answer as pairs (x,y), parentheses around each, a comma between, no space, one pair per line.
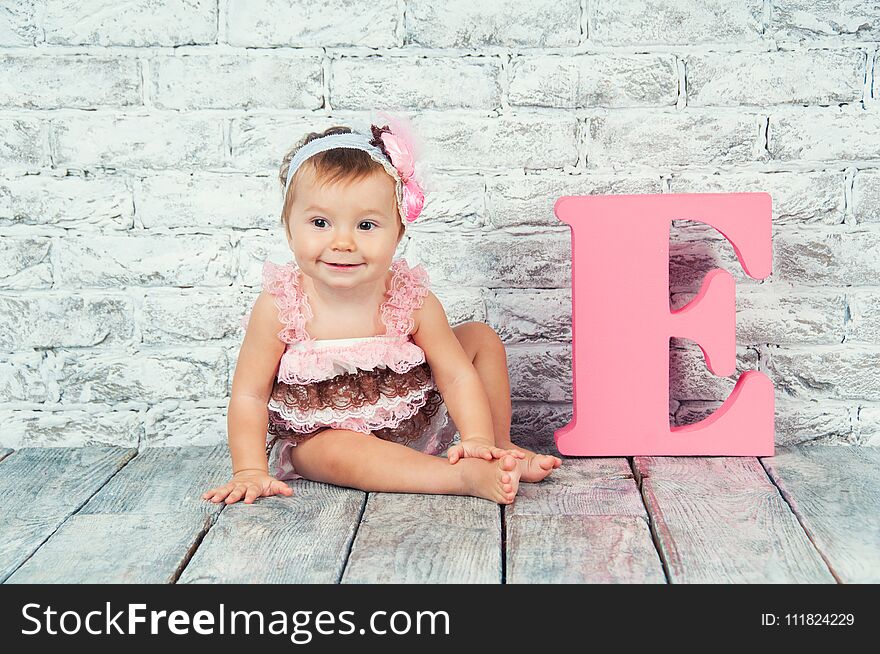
(345,222)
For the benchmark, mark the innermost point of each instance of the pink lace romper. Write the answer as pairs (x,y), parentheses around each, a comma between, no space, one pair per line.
(372,384)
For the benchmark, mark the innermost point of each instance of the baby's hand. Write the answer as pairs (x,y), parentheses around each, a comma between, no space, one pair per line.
(480,448)
(249,484)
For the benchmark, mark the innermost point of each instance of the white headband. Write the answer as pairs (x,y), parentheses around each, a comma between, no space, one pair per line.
(353,140)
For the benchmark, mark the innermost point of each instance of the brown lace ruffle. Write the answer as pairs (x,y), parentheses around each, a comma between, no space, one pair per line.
(411,429)
(352,390)
(406,432)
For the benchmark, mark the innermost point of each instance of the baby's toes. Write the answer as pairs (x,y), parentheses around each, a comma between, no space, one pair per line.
(507,462)
(509,476)
(546,461)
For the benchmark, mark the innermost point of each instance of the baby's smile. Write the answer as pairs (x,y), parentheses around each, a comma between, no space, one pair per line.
(341,266)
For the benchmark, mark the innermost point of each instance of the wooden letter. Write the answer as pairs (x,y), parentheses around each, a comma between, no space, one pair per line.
(622,323)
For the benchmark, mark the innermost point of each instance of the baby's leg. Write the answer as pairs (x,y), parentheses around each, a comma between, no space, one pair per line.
(488,355)
(349,458)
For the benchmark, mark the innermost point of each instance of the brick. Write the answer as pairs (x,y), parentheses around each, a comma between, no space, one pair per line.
(232,358)
(396,83)
(451,140)
(208,200)
(24,262)
(797,197)
(841,372)
(21,379)
(619,22)
(796,422)
(694,250)
(495,261)
(61,319)
(626,138)
(242,81)
(145,259)
(691,379)
(18,23)
(825,257)
(257,246)
(594,81)
(534,423)
(540,372)
(168,424)
(819,77)
(134,23)
(21,142)
(189,316)
(820,19)
(770,313)
(65,427)
(453,203)
(154,141)
(823,134)
(817,423)
(864,323)
(146,376)
(866,196)
(466,24)
(53,82)
(462,140)
(462,305)
(301,23)
(528,200)
(868,426)
(530,316)
(69,202)
(259,142)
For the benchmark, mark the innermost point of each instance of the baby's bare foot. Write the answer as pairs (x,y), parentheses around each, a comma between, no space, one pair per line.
(534,467)
(496,480)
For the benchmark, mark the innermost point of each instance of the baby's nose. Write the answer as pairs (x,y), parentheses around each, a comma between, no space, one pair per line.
(343,243)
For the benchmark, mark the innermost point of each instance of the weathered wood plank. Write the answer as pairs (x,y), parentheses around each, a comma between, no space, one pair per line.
(165,480)
(582,486)
(140,527)
(721,520)
(572,549)
(114,549)
(585,523)
(303,538)
(421,539)
(41,487)
(835,492)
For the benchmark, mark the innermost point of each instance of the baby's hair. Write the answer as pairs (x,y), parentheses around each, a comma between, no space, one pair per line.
(330,166)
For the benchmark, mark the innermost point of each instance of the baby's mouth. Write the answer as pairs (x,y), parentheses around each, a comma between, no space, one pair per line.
(342,265)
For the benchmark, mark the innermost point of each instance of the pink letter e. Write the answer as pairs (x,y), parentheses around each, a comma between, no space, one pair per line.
(622,323)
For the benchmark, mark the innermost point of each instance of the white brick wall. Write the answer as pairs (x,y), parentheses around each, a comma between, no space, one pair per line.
(140,140)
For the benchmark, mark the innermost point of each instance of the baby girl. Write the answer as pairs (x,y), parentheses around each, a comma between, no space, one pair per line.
(348,364)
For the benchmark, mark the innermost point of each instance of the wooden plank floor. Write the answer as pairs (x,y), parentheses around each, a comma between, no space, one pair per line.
(111,515)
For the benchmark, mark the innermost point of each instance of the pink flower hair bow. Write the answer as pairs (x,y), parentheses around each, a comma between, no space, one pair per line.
(400,146)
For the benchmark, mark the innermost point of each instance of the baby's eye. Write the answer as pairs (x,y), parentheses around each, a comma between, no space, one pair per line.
(316,220)
(368,222)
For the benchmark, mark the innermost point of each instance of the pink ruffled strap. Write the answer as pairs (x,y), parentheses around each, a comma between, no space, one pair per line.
(409,287)
(281,281)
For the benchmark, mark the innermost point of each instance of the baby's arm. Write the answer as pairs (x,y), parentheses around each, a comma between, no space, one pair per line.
(458,383)
(248,413)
